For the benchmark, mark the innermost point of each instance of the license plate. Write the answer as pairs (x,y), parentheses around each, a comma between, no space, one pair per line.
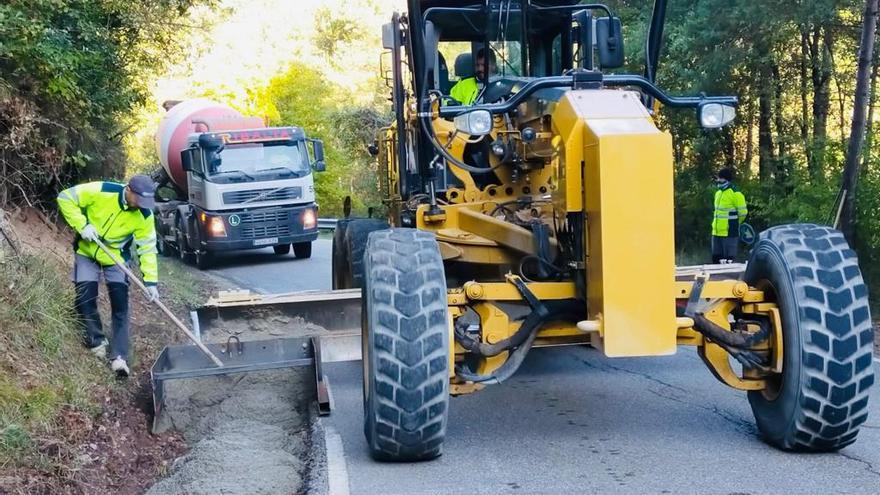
(266,242)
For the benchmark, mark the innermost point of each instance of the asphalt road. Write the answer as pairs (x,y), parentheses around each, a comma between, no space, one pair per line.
(573,421)
(263,271)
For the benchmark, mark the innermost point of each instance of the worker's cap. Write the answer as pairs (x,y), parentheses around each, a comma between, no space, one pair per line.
(725,174)
(145,189)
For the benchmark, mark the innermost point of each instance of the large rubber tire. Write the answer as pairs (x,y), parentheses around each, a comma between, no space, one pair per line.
(821,397)
(355,241)
(302,250)
(281,249)
(337,254)
(405,346)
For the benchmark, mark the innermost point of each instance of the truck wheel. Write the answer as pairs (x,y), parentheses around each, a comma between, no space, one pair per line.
(356,234)
(182,245)
(302,250)
(337,257)
(203,259)
(405,346)
(281,249)
(820,399)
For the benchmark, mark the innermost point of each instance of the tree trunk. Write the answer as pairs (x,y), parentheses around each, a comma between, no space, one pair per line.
(765,133)
(869,132)
(805,111)
(851,165)
(782,172)
(821,75)
(750,134)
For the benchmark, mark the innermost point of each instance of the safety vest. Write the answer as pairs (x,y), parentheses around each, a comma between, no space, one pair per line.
(730,211)
(102,205)
(465,91)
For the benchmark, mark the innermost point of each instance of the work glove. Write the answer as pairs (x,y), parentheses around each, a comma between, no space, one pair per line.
(89,233)
(152,293)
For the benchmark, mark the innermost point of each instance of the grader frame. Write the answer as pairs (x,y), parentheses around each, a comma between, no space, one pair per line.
(552,224)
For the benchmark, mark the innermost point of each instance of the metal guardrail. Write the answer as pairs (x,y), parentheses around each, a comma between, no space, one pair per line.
(327,223)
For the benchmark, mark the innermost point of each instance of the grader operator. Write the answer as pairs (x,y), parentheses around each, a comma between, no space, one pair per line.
(508,229)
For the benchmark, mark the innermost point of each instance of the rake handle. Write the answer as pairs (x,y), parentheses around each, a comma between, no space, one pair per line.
(161,305)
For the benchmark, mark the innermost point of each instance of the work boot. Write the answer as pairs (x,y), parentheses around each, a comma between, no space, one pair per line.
(100,350)
(120,367)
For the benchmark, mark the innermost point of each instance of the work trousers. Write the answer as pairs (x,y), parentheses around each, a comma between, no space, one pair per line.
(86,277)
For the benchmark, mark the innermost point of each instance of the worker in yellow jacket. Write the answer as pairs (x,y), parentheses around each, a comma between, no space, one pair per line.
(729,213)
(468,88)
(120,215)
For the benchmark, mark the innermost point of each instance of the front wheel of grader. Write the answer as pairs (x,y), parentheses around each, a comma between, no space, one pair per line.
(820,399)
(405,346)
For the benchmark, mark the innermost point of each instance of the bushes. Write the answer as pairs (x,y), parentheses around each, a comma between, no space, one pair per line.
(70,72)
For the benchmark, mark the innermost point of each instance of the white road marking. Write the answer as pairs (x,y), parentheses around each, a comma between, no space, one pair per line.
(337,472)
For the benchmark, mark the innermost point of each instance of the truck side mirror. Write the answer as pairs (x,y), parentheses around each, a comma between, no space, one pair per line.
(318,153)
(609,41)
(186,160)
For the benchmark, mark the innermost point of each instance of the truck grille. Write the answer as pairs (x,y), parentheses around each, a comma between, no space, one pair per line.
(236,197)
(262,217)
(265,231)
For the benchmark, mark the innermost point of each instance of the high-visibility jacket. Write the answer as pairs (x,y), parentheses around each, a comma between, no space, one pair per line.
(465,91)
(102,205)
(730,212)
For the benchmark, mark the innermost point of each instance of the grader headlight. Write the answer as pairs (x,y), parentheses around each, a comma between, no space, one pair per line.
(716,115)
(475,122)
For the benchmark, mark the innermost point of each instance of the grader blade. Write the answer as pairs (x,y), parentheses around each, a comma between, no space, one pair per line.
(258,333)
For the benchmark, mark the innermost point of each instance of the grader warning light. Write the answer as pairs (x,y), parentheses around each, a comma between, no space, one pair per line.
(508,228)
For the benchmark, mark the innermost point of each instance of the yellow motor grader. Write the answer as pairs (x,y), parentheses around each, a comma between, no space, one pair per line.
(541,214)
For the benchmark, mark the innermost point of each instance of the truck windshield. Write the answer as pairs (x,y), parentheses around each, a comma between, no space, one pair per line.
(253,159)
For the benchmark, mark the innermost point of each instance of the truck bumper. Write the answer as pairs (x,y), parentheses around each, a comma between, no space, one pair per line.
(260,227)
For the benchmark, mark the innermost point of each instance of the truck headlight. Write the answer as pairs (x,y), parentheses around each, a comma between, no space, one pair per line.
(310,220)
(216,227)
(475,122)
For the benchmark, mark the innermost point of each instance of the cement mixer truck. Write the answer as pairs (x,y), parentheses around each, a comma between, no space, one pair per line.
(229,183)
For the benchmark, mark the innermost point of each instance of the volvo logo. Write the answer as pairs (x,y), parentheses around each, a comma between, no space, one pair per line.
(234,220)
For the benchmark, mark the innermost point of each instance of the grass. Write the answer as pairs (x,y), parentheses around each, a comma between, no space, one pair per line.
(43,367)
(180,286)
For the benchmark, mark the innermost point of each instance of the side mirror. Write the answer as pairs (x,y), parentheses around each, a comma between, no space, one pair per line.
(716,115)
(432,38)
(318,154)
(186,160)
(609,41)
(388,36)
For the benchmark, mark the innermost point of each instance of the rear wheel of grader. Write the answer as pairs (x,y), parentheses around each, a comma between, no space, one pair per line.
(405,346)
(820,399)
(337,257)
(352,253)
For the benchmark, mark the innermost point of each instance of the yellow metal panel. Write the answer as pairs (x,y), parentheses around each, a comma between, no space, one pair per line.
(628,197)
(503,291)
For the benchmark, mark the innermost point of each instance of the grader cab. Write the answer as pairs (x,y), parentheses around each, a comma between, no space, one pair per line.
(542,215)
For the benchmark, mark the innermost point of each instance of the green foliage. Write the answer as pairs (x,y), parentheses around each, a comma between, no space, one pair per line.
(302,96)
(70,73)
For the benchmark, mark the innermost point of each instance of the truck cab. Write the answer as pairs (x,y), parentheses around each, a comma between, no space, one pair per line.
(246,189)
